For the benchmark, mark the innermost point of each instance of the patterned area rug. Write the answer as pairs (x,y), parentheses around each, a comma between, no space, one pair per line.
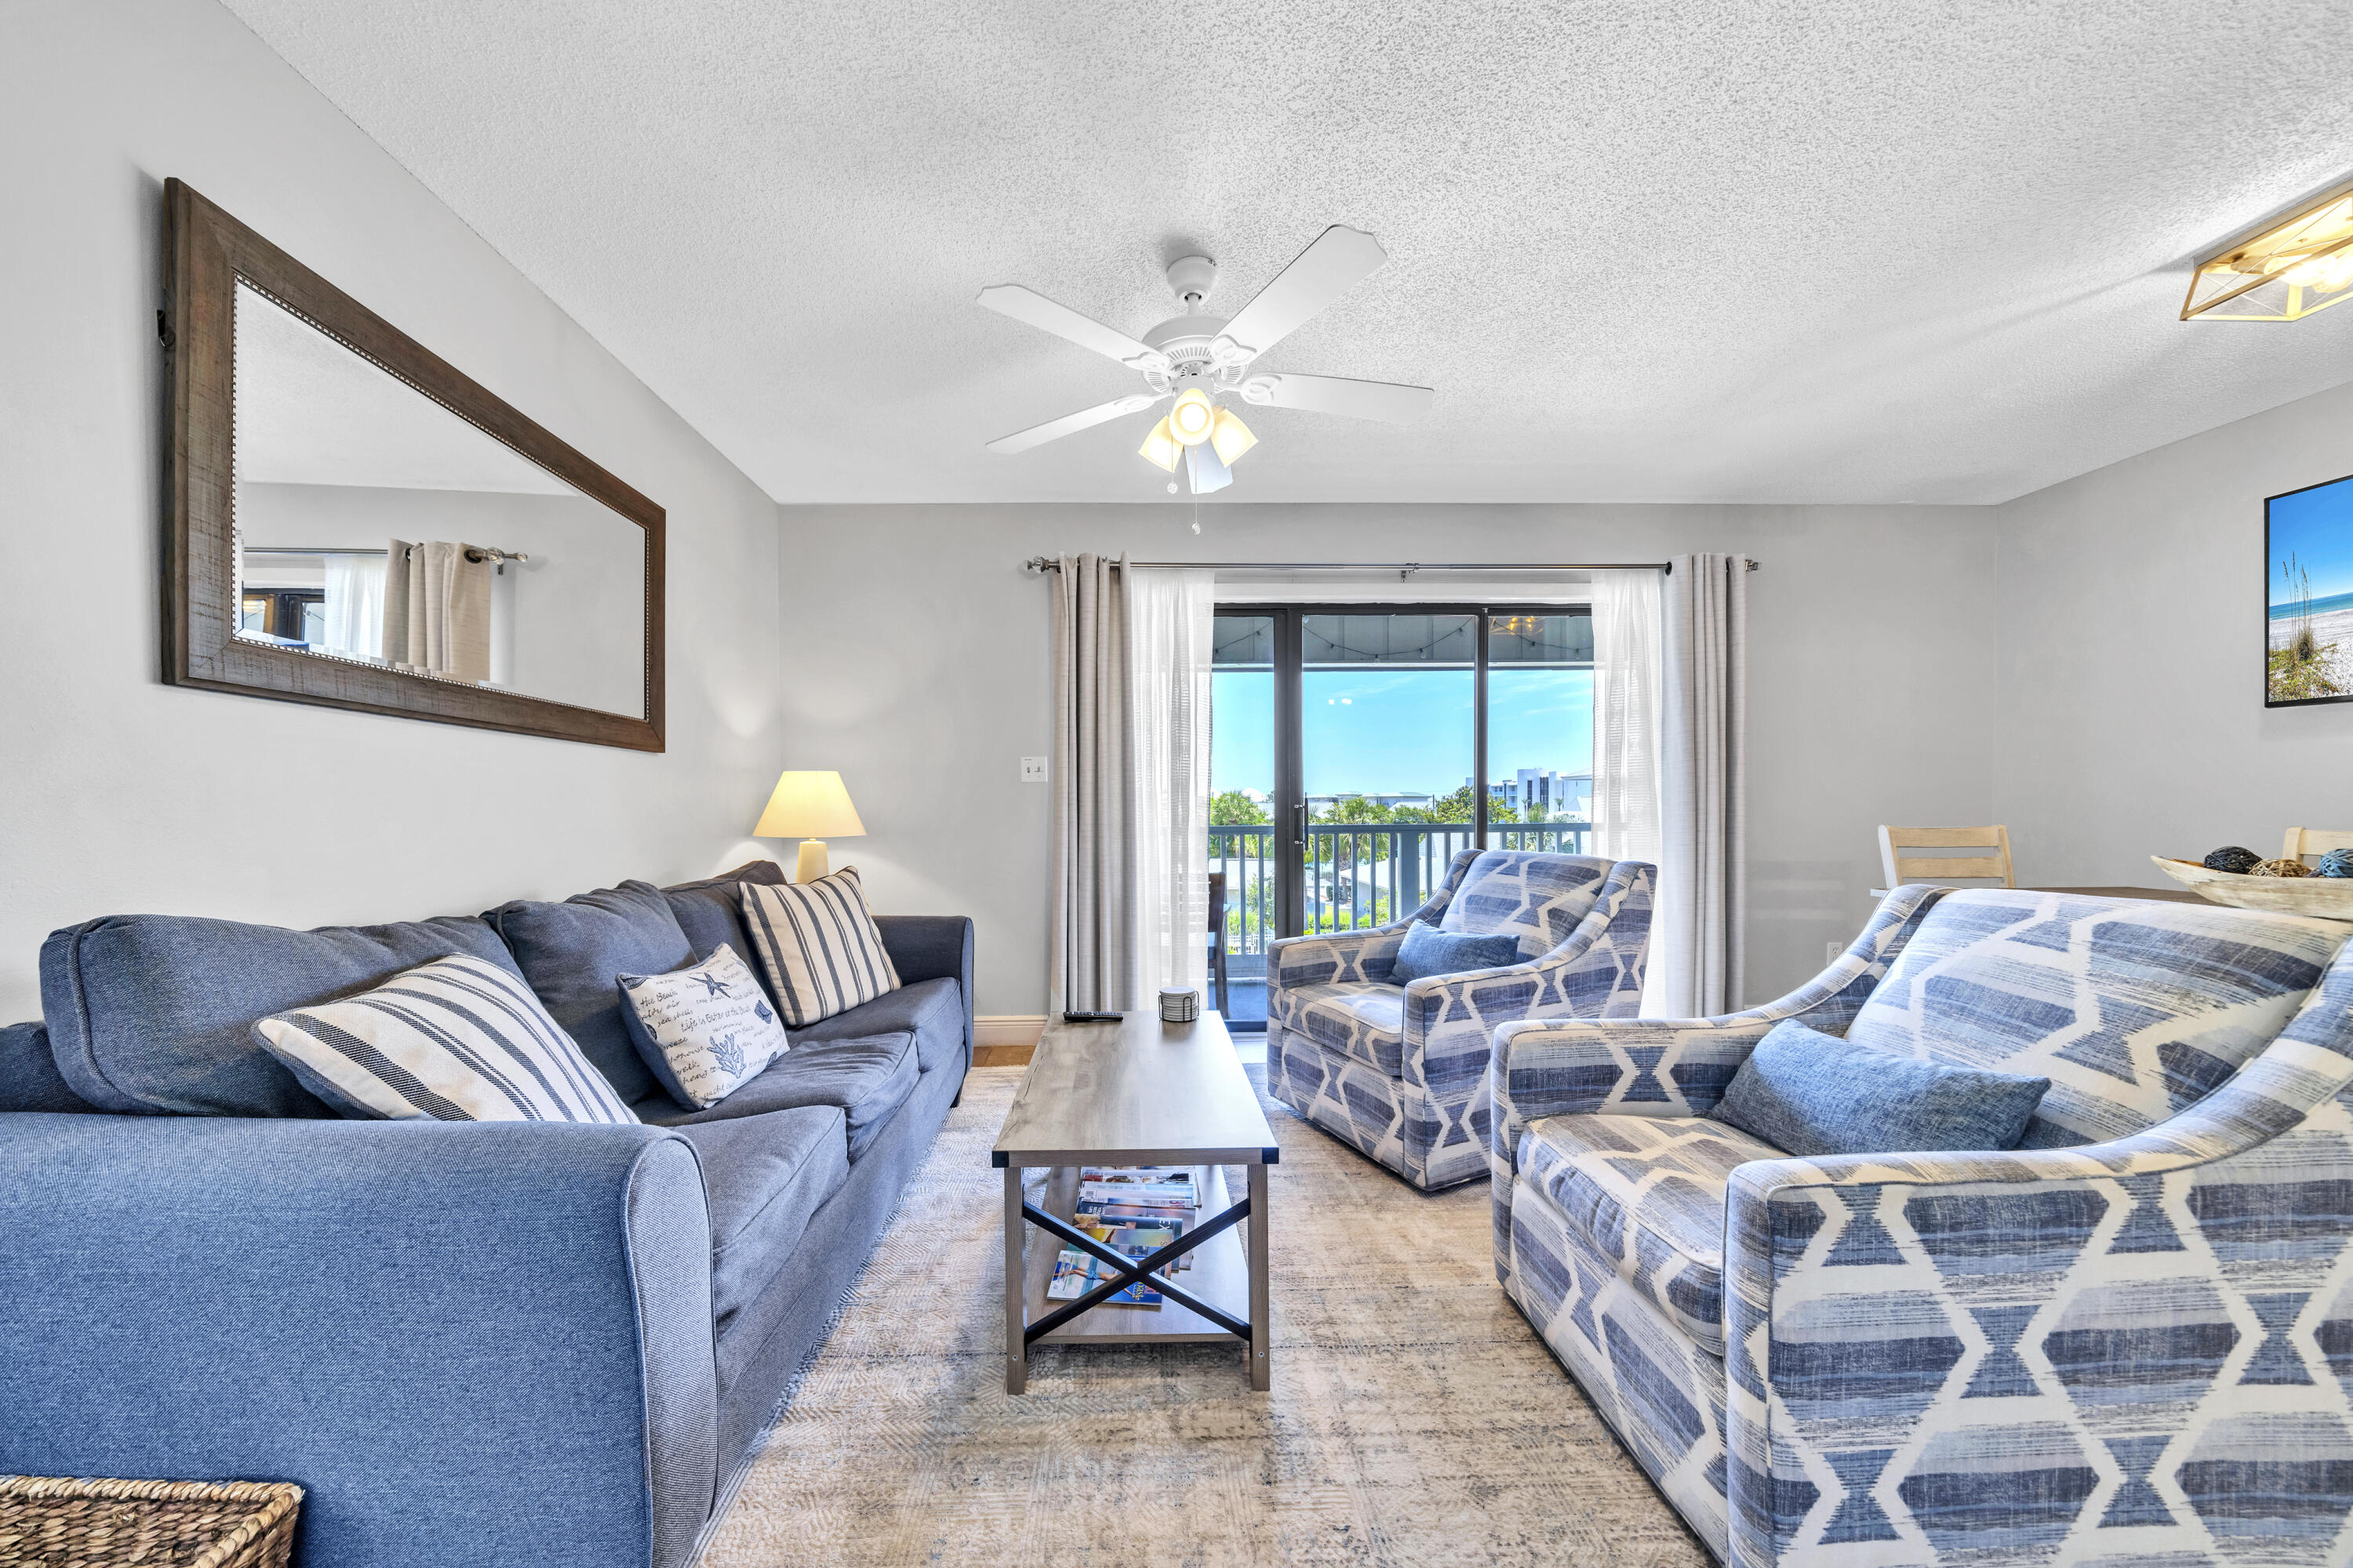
(1415,1418)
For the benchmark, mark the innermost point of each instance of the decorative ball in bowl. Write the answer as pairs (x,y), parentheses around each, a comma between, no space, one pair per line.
(2267,884)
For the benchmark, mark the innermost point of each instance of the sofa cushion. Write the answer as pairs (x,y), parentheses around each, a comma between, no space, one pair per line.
(1814,1094)
(866,1079)
(29,1079)
(765,1176)
(932,1010)
(155,1013)
(819,943)
(1363,1018)
(1647,1193)
(710,913)
(2132,1008)
(702,1031)
(459,1039)
(1537,899)
(574,952)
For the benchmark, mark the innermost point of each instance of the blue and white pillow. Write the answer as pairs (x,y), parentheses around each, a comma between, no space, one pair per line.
(457,1039)
(821,948)
(704,1030)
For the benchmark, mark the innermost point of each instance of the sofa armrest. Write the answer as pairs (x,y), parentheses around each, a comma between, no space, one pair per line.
(468,1342)
(2190,1271)
(931,946)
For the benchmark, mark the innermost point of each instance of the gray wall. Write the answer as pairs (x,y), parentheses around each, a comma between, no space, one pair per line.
(2132,718)
(123,794)
(918,665)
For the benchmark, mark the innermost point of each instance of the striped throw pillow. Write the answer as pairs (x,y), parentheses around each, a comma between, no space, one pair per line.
(455,1040)
(821,948)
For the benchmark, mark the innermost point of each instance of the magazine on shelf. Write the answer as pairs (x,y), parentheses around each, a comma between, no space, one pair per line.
(1075,1273)
(1101,1220)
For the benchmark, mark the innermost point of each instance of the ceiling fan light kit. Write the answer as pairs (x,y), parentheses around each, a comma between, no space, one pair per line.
(1195,358)
(1193,417)
(2296,267)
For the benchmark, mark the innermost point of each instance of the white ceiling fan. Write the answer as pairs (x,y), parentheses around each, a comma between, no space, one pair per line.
(1197,358)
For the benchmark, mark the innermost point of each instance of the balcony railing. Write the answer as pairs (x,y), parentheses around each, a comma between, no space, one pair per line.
(1356,875)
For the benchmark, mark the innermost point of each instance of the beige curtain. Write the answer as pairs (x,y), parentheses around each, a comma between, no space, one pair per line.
(1696,942)
(437,610)
(1094,963)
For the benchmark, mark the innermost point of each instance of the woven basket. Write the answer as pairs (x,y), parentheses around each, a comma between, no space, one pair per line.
(156,1524)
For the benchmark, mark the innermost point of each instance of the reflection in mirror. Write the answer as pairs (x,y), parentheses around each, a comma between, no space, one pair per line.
(372,525)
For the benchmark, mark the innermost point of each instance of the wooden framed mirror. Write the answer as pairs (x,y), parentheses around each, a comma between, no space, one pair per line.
(355,522)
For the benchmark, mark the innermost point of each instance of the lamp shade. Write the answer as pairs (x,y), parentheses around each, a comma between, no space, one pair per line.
(809,806)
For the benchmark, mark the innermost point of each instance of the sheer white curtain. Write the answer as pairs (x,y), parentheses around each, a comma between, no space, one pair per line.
(1093,955)
(1169,627)
(1626,665)
(1697,963)
(354,607)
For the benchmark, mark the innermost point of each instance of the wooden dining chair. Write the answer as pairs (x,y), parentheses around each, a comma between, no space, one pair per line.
(1901,866)
(2310,843)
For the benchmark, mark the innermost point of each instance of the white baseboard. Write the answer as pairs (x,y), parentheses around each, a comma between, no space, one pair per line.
(1008,1029)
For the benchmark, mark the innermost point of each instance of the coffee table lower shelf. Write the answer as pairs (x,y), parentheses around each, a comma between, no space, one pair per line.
(1220,1277)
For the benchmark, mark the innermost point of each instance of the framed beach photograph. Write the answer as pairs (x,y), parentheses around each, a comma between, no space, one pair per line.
(2308,595)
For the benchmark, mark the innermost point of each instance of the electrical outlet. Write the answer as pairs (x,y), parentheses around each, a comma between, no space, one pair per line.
(1834,949)
(1033,770)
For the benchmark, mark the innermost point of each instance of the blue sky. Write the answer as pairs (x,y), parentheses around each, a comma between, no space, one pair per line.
(2318,525)
(1388,730)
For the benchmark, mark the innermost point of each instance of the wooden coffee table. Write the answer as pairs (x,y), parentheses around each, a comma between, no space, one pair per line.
(1138,1092)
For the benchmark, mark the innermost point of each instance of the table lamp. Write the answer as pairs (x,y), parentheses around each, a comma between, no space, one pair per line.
(812,808)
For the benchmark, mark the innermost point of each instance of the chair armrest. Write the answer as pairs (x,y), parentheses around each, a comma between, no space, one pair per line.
(1596,972)
(1334,956)
(2102,1278)
(468,1342)
(931,946)
(1664,1067)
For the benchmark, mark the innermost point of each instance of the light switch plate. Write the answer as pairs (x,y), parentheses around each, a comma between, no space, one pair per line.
(1033,770)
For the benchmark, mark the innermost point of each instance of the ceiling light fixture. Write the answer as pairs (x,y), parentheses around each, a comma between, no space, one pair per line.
(2300,265)
(1192,417)
(1230,437)
(1195,357)
(1161,447)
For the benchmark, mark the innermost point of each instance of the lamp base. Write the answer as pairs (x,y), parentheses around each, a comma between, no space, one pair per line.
(812,862)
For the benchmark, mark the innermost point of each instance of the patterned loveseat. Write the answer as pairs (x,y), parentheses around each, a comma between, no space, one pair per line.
(2129,1341)
(1400,1073)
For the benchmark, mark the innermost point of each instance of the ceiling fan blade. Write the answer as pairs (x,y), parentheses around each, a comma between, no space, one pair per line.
(1034,308)
(1336,260)
(1054,430)
(1386,401)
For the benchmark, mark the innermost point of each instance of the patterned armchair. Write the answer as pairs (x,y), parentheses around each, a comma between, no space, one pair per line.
(2130,1340)
(1400,1073)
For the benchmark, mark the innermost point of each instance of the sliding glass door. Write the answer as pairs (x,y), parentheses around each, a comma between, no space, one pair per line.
(1356,749)
(1387,750)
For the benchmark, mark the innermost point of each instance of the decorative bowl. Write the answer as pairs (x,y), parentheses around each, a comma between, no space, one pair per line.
(2327,897)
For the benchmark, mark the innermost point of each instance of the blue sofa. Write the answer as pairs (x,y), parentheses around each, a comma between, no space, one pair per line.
(469,1342)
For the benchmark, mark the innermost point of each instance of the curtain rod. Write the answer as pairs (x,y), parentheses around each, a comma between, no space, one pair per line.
(1403,568)
(473,552)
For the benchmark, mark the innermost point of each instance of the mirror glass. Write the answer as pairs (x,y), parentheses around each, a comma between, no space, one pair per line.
(372,525)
